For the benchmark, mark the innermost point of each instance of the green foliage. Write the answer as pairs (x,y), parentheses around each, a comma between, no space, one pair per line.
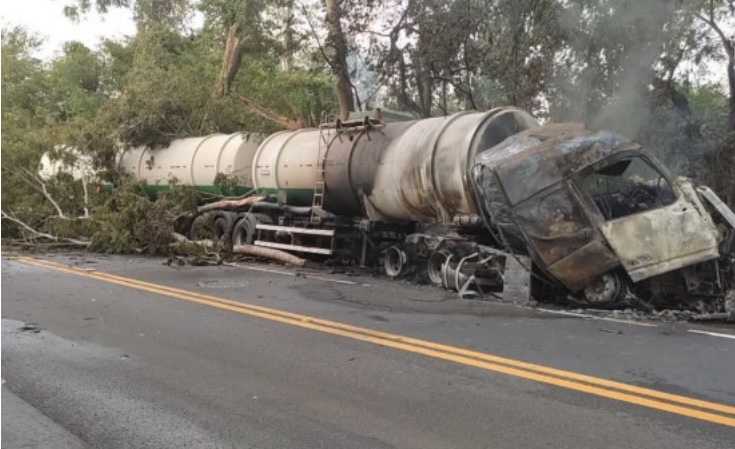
(130,222)
(227,180)
(306,92)
(709,104)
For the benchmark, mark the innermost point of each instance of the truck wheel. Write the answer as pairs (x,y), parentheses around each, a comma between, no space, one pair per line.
(435,265)
(221,227)
(200,228)
(605,291)
(395,262)
(244,231)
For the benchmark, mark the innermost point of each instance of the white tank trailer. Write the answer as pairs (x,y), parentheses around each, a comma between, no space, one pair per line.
(196,161)
(474,201)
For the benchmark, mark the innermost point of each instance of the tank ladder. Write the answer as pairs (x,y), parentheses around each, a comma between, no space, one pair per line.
(327,131)
(325,135)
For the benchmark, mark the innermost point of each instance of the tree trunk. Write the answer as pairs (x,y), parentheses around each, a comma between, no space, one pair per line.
(339,63)
(269,253)
(729,46)
(288,34)
(731,82)
(282,120)
(230,63)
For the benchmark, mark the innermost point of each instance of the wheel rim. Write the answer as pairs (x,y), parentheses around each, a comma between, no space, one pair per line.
(604,291)
(394,262)
(434,266)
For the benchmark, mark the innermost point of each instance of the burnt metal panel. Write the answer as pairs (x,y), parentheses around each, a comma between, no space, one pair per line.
(554,224)
(493,207)
(423,174)
(527,189)
(664,239)
(351,163)
(584,265)
(538,158)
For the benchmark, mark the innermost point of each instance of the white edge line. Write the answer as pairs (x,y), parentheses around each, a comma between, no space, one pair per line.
(267,270)
(712,334)
(594,317)
(340,281)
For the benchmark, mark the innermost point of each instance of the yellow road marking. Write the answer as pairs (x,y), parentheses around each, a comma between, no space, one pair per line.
(539,373)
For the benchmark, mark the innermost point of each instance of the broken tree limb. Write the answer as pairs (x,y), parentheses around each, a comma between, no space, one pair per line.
(185,219)
(229,204)
(269,253)
(206,243)
(86,196)
(43,234)
(37,184)
(291,125)
(250,250)
(231,61)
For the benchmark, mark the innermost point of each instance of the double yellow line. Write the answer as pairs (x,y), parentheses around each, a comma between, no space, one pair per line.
(659,400)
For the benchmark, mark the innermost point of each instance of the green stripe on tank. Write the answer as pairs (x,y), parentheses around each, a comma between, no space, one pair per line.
(294,197)
(215,191)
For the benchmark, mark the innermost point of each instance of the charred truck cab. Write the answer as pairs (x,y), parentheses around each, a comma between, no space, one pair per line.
(603,218)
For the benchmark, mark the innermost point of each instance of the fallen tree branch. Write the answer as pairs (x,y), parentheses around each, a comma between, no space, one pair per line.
(40,186)
(86,196)
(5,215)
(43,190)
(250,250)
(269,253)
(229,204)
(291,125)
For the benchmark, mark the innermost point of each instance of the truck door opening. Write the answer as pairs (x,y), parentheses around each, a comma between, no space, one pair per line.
(628,187)
(652,225)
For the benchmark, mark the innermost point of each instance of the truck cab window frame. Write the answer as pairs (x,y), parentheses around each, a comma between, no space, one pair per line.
(626,186)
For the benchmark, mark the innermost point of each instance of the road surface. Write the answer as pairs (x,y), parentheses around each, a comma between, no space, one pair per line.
(130,353)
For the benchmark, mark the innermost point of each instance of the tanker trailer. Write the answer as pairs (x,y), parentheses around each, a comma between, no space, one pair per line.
(193,161)
(69,161)
(423,179)
(353,188)
(216,165)
(197,162)
(312,181)
(602,219)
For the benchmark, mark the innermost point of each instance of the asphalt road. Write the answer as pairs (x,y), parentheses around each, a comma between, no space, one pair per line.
(356,362)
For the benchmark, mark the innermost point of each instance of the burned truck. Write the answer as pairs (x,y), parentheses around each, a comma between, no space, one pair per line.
(604,221)
(478,202)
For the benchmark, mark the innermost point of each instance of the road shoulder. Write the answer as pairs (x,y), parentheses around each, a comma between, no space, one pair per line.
(25,427)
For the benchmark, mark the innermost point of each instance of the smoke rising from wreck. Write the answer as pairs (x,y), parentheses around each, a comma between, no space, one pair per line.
(630,110)
(620,42)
